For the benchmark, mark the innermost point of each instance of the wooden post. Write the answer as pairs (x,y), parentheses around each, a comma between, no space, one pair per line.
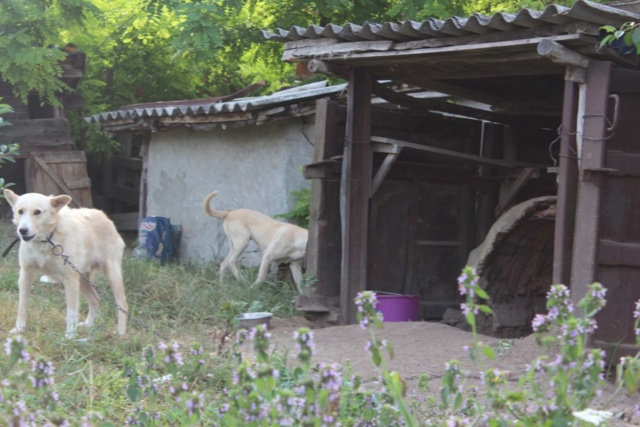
(324,248)
(142,205)
(567,188)
(356,184)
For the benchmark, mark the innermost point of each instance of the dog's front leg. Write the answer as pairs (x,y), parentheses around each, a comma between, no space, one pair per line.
(72,297)
(93,300)
(25,281)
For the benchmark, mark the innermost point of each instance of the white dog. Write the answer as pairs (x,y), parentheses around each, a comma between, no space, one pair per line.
(86,236)
(279,241)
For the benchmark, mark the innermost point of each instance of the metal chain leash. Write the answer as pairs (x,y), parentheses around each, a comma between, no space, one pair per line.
(58,250)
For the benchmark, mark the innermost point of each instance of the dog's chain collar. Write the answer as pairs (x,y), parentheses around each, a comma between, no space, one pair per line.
(58,250)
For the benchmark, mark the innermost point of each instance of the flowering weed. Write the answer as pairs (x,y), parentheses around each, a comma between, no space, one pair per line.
(169,384)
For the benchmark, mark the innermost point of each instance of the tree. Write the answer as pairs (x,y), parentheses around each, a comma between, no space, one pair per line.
(29,32)
(7,152)
(142,51)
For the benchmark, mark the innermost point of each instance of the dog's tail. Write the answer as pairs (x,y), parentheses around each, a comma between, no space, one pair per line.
(209,210)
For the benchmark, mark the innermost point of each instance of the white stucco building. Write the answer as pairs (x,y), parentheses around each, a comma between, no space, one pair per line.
(250,150)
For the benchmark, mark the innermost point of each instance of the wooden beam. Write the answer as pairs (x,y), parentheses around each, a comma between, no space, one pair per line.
(493,37)
(144,177)
(324,169)
(400,98)
(619,253)
(568,179)
(538,107)
(313,51)
(297,44)
(324,253)
(115,123)
(456,154)
(356,184)
(515,64)
(384,169)
(436,105)
(514,189)
(205,118)
(461,92)
(363,52)
(380,147)
(561,54)
(328,69)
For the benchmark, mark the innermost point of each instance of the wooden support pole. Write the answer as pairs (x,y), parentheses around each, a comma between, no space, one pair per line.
(142,204)
(567,188)
(324,248)
(356,184)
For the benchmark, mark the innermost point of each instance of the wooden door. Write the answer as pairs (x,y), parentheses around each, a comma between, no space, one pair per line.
(421,230)
(60,172)
(607,231)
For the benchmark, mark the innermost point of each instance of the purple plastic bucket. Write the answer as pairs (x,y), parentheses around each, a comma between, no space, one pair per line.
(398,308)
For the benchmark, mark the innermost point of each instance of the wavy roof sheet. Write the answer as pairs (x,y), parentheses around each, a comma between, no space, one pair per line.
(581,11)
(198,108)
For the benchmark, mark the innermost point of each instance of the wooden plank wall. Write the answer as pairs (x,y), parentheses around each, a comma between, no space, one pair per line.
(60,172)
(38,135)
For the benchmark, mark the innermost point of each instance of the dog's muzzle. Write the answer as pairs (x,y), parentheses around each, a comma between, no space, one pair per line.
(23,235)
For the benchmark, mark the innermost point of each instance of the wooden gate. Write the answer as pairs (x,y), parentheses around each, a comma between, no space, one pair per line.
(60,172)
(607,232)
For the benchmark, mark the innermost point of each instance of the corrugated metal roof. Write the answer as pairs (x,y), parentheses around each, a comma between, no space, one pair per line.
(197,107)
(581,11)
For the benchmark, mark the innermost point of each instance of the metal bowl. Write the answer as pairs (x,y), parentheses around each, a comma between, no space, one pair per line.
(251,320)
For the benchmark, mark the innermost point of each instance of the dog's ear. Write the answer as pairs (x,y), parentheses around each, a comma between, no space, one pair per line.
(11,197)
(59,202)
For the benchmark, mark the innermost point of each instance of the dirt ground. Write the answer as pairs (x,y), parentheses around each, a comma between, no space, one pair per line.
(424,348)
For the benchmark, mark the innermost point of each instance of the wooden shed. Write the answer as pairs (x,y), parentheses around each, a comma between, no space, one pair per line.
(48,162)
(530,107)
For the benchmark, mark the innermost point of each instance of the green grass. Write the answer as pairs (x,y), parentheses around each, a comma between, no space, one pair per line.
(181,302)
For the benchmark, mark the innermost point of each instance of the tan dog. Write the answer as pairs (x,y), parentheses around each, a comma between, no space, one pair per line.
(279,241)
(86,236)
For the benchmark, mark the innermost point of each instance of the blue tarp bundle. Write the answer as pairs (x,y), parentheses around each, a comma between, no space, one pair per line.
(158,239)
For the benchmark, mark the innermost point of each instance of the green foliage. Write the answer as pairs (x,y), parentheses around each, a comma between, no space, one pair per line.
(300,213)
(7,152)
(4,109)
(141,51)
(29,32)
(628,33)
(102,380)
(27,389)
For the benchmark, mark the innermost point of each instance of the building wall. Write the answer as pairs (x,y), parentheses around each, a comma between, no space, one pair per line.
(253,167)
